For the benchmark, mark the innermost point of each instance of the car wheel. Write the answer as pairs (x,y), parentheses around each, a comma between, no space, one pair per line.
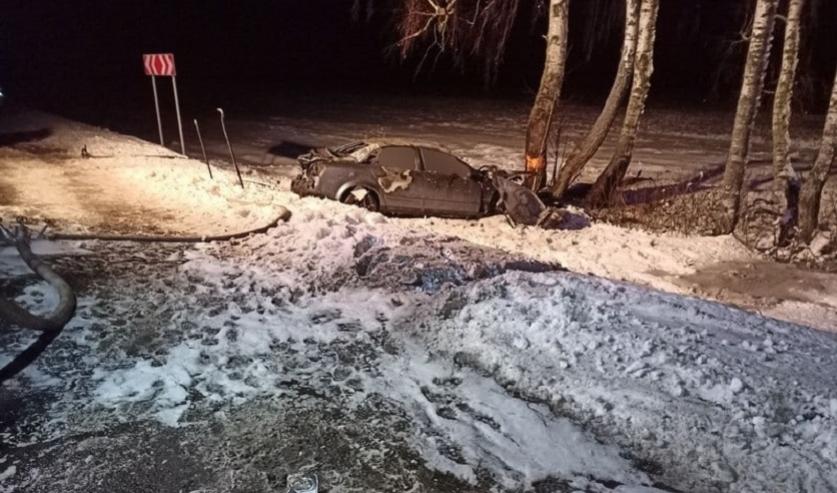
(362,197)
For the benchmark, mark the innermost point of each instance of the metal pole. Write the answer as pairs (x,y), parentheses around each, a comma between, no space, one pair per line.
(177,108)
(203,149)
(157,109)
(229,147)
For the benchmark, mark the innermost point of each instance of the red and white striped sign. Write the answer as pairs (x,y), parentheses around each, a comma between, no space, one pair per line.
(159,64)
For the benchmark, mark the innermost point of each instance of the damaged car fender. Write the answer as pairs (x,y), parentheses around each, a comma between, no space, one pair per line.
(523,206)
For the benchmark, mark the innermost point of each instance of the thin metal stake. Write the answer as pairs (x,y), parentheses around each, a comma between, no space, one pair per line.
(203,149)
(229,147)
(157,108)
(177,108)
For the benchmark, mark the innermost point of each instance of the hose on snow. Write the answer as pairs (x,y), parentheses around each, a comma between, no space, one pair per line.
(52,324)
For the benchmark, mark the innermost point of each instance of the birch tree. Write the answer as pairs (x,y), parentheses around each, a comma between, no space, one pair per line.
(540,117)
(586,149)
(605,186)
(749,99)
(784,177)
(811,196)
(782,169)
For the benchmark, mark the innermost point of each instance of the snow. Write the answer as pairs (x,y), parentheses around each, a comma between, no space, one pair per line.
(143,188)
(509,371)
(5,475)
(128,185)
(672,146)
(524,438)
(691,385)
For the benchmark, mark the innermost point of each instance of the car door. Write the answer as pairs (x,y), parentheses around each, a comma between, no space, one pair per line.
(396,174)
(453,190)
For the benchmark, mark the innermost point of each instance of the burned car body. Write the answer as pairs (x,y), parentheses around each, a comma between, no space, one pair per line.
(397,179)
(413,180)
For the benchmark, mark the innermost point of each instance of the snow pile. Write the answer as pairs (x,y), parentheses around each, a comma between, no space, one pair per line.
(701,396)
(703,390)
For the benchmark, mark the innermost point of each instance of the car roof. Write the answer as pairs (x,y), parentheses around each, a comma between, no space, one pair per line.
(406,143)
(378,144)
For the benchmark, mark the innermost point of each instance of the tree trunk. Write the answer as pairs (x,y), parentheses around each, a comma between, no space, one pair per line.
(784,177)
(540,118)
(605,187)
(809,201)
(587,148)
(745,116)
(784,94)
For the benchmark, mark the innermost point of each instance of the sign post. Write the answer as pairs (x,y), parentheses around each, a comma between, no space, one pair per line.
(157,108)
(162,64)
(177,110)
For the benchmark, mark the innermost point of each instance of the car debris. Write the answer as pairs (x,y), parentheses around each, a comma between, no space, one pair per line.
(413,180)
(523,206)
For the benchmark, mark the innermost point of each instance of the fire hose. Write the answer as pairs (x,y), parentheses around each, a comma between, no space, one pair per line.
(51,325)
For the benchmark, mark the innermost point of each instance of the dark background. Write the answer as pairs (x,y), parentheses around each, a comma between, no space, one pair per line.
(82,57)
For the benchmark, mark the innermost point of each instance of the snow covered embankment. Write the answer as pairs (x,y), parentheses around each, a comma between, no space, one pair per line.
(625,387)
(708,396)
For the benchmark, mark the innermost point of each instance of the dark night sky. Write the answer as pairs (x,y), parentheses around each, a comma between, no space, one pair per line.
(60,52)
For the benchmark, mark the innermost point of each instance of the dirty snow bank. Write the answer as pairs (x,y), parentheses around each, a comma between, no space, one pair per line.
(705,391)
(628,386)
(664,261)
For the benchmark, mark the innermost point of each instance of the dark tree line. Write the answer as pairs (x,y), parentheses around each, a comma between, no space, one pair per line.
(480,29)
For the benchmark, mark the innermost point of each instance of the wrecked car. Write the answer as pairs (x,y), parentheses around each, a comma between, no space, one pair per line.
(412,180)
(398,179)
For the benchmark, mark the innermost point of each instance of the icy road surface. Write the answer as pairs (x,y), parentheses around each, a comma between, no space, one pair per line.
(390,359)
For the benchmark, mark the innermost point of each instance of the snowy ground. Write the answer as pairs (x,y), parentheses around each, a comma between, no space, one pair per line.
(133,190)
(404,355)
(342,343)
(125,185)
(673,146)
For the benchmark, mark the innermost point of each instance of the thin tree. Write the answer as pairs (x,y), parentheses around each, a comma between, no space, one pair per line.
(782,169)
(605,187)
(745,116)
(784,176)
(540,118)
(811,196)
(586,149)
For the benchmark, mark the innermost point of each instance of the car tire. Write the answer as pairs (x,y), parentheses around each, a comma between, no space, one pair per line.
(362,197)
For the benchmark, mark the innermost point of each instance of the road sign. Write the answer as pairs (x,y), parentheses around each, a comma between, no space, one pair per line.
(162,64)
